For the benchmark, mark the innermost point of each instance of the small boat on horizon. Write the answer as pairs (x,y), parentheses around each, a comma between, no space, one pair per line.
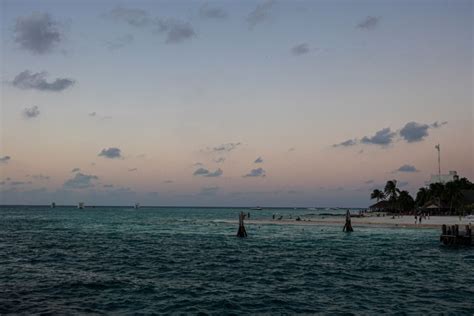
(258,208)
(80,205)
(136,206)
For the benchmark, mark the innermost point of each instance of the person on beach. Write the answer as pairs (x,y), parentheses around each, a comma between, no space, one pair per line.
(416,219)
(420,220)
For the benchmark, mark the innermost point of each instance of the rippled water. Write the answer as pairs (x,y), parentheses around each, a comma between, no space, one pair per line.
(187,260)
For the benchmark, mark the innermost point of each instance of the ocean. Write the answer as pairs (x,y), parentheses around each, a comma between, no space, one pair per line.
(118,260)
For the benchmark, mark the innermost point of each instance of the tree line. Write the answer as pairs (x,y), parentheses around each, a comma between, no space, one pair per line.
(446,195)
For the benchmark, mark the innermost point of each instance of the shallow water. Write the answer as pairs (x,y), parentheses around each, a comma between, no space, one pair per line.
(188,260)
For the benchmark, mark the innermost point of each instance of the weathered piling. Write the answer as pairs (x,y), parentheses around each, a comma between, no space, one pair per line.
(241,232)
(348,225)
(451,236)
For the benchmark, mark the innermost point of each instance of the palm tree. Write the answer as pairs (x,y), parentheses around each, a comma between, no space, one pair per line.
(391,191)
(452,194)
(436,191)
(422,197)
(377,194)
(405,201)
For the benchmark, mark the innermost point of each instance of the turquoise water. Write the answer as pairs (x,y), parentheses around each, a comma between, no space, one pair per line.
(188,260)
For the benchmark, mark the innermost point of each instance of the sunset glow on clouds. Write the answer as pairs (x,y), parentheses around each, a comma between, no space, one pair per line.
(199,103)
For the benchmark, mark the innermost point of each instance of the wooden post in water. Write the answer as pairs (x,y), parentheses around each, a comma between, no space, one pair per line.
(241,232)
(347,225)
(451,236)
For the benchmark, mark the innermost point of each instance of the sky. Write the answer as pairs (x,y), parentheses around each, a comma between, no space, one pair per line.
(231,103)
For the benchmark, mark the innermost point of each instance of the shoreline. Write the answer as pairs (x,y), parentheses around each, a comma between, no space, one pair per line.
(370,221)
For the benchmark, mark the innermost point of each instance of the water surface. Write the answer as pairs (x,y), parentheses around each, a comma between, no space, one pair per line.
(188,260)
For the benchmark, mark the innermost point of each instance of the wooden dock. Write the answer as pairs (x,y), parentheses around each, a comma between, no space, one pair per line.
(451,236)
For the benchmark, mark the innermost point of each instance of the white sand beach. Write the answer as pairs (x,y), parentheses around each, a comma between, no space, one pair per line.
(382,221)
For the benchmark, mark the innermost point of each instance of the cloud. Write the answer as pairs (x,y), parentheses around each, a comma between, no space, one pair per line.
(40,177)
(200,172)
(102,118)
(260,13)
(369,181)
(407,168)
(383,137)
(206,173)
(4,159)
(120,41)
(411,132)
(258,160)
(259,172)
(209,190)
(76,170)
(291,149)
(131,16)
(37,33)
(132,169)
(209,12)
(216,173)
(17,183)
(176,31)
(414,132)
(37,81)
(168,181)
(300,49)
(369,23)
(108,185)
(347,143)
(438,124)
(31,112)
(226,147)
(219,160)
(80,181)
(111,153)
(119,192)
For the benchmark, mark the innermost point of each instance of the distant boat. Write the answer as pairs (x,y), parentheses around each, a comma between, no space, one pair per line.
(258,208)
(137,205)
(80,205)
(53,205)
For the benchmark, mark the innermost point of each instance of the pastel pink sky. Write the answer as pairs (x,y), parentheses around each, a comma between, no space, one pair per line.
(286,88)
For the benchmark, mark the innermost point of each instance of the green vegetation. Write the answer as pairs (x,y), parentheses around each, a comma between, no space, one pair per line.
(449,197)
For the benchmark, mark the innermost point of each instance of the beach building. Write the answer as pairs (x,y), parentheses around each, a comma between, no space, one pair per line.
(381,206)
(436,207)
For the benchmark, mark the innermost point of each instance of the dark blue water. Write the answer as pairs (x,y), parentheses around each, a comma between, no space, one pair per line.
(185,260)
